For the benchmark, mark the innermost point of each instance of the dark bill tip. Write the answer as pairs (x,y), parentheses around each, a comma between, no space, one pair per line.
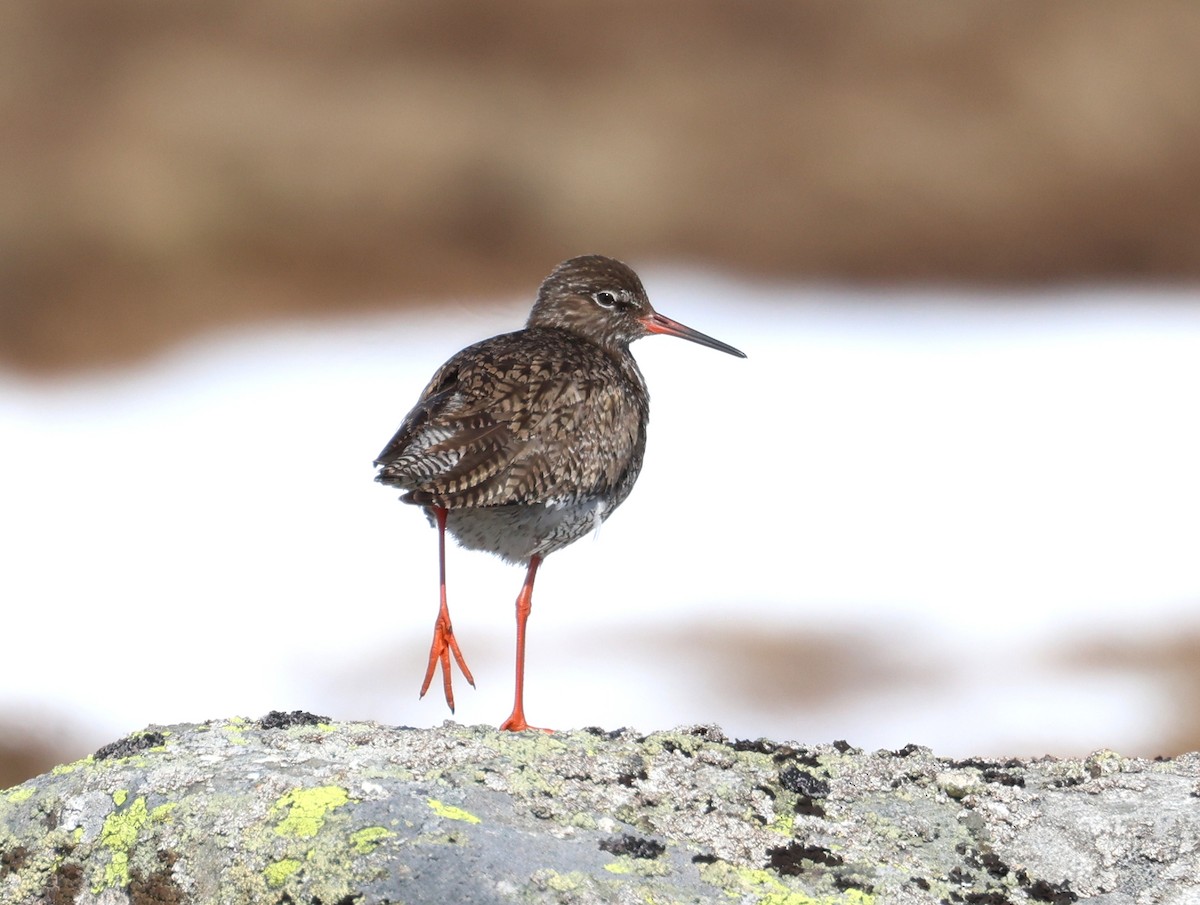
(657,323)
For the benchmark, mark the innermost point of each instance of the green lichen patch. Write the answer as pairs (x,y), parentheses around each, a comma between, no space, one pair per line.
(783,824)
(554,881)
(64,769)
(366,840)
(849,897)
(118,835)
(19,794)
(277,872)
(235,730)
(450,812)
(121,827)
(307,809)
(641,867)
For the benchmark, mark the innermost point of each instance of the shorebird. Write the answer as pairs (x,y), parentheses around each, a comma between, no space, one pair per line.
(523,443)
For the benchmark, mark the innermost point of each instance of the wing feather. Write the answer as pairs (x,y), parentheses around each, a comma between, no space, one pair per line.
(519,419)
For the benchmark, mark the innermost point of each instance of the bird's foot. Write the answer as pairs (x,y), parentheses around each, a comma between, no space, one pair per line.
(444,644)
(516,723)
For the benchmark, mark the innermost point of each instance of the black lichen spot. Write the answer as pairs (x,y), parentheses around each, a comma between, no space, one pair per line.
(131,745)
(12,860)
(806,807)
(801,756)
(788,859)
(919,882)
(1054,893)
(807,787)
(159,888)
(634,846)
(610,734)
(842,746)
(849,881)
(671,746)
(991,897)
(64,885)
(980,763)
(992,863)
(1004,778)
(994,770)
(907,750)
(349,899)
(758,745)
(959,876)
(802,782)
(278,719)
(704,859)
(988,861)
(630,777)
(1068,781)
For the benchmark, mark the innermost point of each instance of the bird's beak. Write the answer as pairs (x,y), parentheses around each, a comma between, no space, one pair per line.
(657,323)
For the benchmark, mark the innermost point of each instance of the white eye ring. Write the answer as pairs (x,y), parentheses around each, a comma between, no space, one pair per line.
(605,299)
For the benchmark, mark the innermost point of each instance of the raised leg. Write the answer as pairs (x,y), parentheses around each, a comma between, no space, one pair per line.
(516,721)
(443,632)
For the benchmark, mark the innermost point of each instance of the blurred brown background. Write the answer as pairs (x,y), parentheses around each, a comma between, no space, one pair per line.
(172,168)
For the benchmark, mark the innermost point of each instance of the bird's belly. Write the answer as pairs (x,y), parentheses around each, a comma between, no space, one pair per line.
(517,532)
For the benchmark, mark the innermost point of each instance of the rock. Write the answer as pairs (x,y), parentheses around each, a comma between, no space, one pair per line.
(295,809)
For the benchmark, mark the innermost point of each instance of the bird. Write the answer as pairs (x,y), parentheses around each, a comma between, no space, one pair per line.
(525,442)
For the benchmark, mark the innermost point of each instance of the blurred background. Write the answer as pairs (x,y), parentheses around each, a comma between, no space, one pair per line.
(951,497)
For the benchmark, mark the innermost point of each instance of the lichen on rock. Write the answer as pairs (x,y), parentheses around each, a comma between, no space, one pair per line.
(292,809)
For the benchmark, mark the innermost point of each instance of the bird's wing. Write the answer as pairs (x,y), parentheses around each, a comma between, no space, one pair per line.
(492,429)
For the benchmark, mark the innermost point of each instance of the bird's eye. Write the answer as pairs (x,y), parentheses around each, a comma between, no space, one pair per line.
(605,299)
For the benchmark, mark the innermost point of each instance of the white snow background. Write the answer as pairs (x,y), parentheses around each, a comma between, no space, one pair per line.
(892,523)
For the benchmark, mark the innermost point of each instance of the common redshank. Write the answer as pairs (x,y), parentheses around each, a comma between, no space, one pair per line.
(526,442)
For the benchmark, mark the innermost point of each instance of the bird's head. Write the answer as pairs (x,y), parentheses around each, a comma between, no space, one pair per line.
(602,300)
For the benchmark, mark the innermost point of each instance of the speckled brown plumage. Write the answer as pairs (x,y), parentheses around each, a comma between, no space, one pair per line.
(522,443)
(536,424)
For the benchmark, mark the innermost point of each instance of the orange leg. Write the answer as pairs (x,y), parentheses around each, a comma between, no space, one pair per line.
(443,632)
(516,720)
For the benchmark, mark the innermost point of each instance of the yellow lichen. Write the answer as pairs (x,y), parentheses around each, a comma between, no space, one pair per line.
(365,840)
(307,809)
(118,835)
(277,872)
(450,812)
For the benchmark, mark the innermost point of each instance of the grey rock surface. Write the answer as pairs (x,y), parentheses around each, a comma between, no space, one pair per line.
(294,809)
